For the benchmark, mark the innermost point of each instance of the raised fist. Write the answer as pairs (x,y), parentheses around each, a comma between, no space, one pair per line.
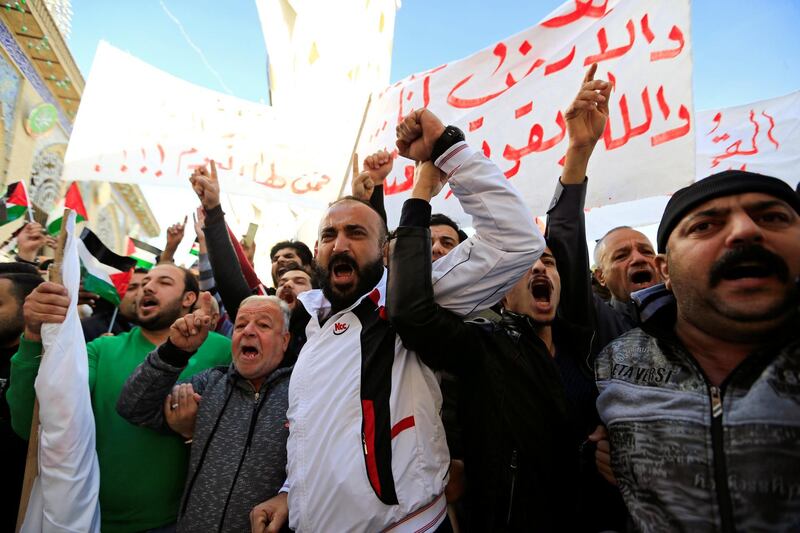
(417,134)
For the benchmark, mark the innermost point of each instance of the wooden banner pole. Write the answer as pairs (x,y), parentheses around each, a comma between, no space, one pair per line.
(355,147)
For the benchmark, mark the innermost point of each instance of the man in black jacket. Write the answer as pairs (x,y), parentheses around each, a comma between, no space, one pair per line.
(527,394)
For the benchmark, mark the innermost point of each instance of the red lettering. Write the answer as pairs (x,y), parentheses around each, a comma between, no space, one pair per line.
(630,132)
(771,127)
(561,64)
(606,54)
(395,188)
(675,34)
(475,124)
(582,9)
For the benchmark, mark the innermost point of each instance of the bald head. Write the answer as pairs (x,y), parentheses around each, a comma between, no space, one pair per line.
(625,261)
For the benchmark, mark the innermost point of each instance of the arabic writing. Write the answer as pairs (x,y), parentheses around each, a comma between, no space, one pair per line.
(736,148)
(498,97)
(187,160)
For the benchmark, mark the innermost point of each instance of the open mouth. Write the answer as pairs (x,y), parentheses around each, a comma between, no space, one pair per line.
(749,266)
(542,292)
(342,273)
(286,267)
(287,296)
(641,277)
(746,270)
(148,303)
(249,353)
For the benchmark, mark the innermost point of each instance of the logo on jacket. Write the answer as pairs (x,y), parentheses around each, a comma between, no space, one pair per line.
(340,327)
(785,381)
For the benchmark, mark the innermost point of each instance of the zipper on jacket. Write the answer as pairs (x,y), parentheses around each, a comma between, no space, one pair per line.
(513,467)
(720,469)
(253,419)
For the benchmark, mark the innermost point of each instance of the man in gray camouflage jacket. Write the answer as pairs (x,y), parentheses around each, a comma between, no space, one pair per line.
(702,403)
(234,417)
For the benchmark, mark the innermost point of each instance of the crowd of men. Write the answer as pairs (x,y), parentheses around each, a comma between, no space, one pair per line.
(422,380)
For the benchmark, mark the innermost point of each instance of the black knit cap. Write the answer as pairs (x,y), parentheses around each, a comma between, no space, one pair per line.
(725,183)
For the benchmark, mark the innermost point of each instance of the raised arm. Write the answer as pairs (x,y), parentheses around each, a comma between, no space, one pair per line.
(141,400)
(174,237)
(439,337)
(368,185)
(231,283)
(480,270)
(566,224)
(206,273)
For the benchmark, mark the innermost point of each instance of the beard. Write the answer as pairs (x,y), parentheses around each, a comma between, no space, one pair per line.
(368,277)
(164,318)
(11,330)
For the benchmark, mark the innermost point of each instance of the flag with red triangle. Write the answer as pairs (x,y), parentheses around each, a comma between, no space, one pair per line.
(71,200)
(15,202)
(104,272)
(145,255)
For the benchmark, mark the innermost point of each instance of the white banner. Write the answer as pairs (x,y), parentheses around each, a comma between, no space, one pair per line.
(509,100)
(321,52)
(761,137)
(137,124)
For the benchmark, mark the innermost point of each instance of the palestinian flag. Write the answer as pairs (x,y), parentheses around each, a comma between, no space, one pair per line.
(71,200)
(105,272)
(15,202)
(144,254)
(195,251)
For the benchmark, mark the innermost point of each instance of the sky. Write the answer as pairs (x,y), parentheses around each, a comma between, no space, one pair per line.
(743,50)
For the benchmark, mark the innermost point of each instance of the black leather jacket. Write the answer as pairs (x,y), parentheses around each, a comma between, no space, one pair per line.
(521,459)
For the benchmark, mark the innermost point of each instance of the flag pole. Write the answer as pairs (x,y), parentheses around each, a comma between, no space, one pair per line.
(32,461)
(113,319)
(355,147)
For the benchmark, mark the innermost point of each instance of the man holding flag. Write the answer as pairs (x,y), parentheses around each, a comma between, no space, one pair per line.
(142,472)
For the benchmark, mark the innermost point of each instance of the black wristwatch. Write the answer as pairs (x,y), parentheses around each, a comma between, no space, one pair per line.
(18,259)
(449,137)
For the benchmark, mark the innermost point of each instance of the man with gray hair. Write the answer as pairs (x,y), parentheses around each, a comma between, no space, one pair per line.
(238,431)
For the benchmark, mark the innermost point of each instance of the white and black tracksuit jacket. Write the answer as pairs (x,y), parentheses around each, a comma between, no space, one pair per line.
(366,448)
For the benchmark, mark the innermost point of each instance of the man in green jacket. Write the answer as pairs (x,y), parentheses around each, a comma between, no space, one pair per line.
(142,472)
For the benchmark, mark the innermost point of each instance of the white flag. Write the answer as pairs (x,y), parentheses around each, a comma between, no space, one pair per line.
(65,491)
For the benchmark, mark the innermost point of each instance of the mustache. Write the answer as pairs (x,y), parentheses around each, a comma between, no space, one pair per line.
(342,259)
(753,253)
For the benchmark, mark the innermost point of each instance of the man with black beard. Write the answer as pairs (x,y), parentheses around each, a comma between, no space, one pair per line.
(366,448)
(17,280)
(701,402)
(142,472)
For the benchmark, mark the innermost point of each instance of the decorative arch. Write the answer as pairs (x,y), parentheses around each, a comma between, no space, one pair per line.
(46,184)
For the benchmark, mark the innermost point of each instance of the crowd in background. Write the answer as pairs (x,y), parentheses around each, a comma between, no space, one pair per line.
(422,380)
